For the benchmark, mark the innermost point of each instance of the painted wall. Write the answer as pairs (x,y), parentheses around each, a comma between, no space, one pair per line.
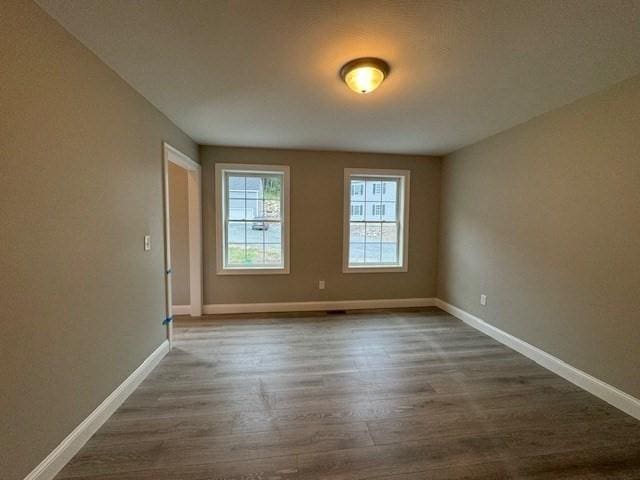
(80,186)
(316,229)
(545,219)
(179,222)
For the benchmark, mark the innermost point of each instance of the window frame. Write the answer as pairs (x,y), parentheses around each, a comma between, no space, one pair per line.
(219,195)
(404,177)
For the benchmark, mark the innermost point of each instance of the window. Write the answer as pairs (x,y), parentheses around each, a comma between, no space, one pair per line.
(252,228)
(376,220)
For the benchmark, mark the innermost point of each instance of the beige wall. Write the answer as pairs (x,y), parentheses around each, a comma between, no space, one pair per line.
(316,230)
(80,185)
(545,219)
(179,223)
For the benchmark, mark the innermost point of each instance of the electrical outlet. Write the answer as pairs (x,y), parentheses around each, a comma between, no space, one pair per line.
(321,285)
(147,243)
(483,300)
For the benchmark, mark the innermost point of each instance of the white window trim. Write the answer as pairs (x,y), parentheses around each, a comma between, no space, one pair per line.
(404,176)
(219,199)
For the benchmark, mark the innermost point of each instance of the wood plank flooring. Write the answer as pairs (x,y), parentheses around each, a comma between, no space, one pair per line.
(398,395)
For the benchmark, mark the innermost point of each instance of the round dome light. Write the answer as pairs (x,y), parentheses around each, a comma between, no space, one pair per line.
(364,75)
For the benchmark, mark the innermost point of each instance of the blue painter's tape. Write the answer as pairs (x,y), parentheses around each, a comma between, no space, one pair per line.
(167,320)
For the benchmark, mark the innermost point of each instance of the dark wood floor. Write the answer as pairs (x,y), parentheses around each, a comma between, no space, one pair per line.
(380,395)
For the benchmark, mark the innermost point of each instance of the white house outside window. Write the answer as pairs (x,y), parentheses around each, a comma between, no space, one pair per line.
(357,210)
(376,220)
(379,188)
(378,209)
(252,209)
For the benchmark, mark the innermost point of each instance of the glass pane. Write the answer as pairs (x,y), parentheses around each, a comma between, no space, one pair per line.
(235,232)
(372,253)
(254,188)
(374,190)
(253,209)
(236,209)
(390,253)
(271,209)
(255,254)
(389,232)
(235,254)
(373,211)
(273,254)
(389,190)
(356,233)
(255,232)
(389,237)
(372,232)
(273,232)
(235,184)
(357,211)
(357,190)
(389,211)
(272,187)
(356,253)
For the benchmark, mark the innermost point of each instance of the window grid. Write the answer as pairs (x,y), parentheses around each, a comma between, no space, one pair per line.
(378,189)
(251,222)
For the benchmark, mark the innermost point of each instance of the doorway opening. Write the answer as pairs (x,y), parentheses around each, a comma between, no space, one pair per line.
(183,235)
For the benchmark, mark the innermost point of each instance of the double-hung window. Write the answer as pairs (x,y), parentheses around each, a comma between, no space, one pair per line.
(376,206)
(252,210)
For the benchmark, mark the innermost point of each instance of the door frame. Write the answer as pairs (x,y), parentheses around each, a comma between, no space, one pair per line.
(194,189)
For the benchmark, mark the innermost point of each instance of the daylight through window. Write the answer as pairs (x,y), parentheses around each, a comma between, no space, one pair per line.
(253,219)
(376,228)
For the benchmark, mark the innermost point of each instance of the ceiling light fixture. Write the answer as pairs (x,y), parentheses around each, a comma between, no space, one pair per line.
(364,75)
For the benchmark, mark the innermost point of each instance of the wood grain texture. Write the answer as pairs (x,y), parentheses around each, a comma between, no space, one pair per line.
(402,395)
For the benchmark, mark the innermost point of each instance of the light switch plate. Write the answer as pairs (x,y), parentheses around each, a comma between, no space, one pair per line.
(483,300)
(321,284)
(147,243)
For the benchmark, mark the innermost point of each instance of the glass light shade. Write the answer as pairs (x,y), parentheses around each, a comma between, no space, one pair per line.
(364,75)
(364,79)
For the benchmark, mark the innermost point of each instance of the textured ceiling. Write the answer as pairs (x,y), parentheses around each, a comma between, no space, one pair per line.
(265,72)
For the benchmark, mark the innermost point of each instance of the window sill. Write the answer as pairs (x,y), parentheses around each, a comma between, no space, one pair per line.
(375,269)
(253,271)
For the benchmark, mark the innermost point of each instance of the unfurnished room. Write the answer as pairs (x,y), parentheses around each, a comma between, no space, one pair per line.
(320,239)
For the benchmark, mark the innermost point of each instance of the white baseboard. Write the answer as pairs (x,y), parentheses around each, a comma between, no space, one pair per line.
(181,309)
(60,456)
(317,306)
(610,394)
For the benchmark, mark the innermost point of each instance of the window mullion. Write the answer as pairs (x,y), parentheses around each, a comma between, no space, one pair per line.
(380,256)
